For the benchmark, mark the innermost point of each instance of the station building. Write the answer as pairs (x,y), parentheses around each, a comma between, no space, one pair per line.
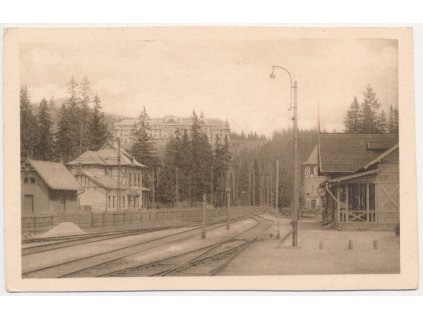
(362,186)
(112,180)
(47,188)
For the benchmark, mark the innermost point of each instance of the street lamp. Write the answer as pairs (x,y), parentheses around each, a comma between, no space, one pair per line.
(293,91)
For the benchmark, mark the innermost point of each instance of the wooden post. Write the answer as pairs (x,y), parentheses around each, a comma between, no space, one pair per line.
(346,203)
(338,205)
(203,232)
(228,204)
(368,218)
(277,186)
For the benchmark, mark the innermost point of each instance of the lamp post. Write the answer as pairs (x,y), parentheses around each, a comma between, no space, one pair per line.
(293,91)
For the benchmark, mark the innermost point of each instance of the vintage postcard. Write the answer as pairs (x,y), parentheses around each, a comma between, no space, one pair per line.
(209,158)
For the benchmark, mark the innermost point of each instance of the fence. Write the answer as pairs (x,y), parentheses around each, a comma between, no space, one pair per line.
(126,220)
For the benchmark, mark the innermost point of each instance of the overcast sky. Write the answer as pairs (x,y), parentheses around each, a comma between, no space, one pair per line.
(224,79)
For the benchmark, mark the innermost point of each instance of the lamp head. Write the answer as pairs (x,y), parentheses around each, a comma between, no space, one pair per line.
(272,75)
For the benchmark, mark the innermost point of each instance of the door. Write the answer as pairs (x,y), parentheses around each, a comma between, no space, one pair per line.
(28,205)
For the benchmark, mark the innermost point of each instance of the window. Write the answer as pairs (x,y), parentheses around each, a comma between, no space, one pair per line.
(307,172)
(357,196)
(108,201)
(113,202)
(28,203)
(29,180)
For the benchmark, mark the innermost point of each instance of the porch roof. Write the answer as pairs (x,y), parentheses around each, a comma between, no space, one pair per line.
(352,176)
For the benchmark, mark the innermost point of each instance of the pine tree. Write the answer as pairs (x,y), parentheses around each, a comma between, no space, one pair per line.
(353,119)
(28,126)
(45,146)
(369,109)
(98,132)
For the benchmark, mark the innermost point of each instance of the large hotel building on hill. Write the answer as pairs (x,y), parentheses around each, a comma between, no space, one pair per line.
(162,129)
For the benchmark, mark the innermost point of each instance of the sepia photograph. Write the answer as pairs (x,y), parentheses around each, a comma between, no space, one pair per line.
(209,158)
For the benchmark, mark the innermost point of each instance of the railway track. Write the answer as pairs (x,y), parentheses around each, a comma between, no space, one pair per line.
(70,241)
(208,261)
(74,267)
(58,242)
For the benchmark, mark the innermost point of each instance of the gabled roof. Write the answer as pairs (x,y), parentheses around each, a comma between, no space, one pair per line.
(102,180)
(55,175)
(312,158)
(106,156)
(345,153)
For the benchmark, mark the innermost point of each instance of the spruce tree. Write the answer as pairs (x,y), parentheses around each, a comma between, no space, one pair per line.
(352,119)
(143,147)
(28,126)
(98,132)
(382,125)
(45,146)
(68,133)
(84,114)
(368,111)
(184,165)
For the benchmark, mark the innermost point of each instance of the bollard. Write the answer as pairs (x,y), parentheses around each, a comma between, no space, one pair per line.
(375,244)
(320,245)
(350,244)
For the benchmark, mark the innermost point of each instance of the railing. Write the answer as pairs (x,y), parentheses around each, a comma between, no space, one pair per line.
(132,219)
(357,216)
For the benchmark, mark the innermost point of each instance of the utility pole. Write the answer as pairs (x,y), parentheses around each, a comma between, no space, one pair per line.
(154,184)
(211,185)
(249,186)
(293,89)
(271,187)
(228,206)
(296,194)
(277,186)
(254,187)
(177,188)
(261,185)
(203,231)
(118,177)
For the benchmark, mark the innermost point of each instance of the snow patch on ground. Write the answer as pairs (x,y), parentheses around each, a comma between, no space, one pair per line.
(62,229)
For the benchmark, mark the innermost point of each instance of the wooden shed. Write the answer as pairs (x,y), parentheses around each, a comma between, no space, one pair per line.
(47,188)
(362,190)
